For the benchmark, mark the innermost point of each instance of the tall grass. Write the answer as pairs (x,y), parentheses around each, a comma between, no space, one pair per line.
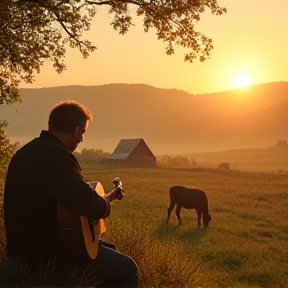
(163,262)
(18,273)
(244,246)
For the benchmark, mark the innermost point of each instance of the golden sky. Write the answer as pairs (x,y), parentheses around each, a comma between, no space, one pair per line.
(251,38)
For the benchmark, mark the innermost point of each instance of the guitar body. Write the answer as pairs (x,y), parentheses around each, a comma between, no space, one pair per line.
(81,235)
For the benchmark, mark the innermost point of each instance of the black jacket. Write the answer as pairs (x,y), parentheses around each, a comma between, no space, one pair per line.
(41,175)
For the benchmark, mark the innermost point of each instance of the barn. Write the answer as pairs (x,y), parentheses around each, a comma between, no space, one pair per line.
(132,153)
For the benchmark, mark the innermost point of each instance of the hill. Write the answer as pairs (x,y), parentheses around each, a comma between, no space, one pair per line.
(169,120)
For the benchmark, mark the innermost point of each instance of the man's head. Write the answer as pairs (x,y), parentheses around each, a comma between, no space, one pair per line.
(68,121)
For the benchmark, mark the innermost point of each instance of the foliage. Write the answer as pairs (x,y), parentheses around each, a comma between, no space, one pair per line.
(91,156)
(29,35)
(5,155)
(32,31)
(177,160)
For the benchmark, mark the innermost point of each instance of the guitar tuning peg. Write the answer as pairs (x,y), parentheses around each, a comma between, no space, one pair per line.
(116,180)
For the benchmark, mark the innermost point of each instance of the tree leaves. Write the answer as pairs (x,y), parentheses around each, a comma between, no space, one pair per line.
(5,151)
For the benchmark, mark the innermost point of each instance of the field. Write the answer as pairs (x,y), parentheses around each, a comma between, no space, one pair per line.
(273,159)
(244,246)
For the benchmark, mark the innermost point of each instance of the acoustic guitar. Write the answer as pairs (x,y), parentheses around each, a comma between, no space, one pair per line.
(81,235)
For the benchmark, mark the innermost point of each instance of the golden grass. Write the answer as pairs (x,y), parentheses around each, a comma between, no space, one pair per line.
(244,246)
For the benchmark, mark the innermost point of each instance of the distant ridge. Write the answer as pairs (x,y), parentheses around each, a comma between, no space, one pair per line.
(169,120)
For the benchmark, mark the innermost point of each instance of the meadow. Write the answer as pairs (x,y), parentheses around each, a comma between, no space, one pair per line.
(245,245)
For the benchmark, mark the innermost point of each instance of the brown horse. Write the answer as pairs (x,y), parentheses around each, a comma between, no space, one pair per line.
(189,198)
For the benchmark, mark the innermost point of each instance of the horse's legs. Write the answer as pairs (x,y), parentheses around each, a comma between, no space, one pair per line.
(178,209)
(199,217)
(169,211)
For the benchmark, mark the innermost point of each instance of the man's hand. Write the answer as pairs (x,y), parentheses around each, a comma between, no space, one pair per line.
(114,194)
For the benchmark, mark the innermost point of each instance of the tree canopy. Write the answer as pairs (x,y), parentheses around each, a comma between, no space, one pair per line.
(32,31)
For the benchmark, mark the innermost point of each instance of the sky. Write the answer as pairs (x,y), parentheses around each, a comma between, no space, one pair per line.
(251,39)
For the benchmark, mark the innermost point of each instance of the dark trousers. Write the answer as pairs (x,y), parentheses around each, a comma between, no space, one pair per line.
(116,269)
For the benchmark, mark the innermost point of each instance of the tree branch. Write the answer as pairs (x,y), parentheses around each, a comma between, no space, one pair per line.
(109,2)
(70,34)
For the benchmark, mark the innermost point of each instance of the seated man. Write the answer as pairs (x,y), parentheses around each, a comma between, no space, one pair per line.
(44,174)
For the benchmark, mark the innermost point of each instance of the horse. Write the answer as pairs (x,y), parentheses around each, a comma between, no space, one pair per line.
(189,198)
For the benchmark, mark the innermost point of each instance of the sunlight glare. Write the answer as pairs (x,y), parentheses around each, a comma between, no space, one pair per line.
(242,80)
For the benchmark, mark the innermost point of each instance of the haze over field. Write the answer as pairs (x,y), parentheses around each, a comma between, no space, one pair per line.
(170,121)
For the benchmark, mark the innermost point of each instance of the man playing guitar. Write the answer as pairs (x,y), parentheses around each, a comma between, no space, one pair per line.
(43,177)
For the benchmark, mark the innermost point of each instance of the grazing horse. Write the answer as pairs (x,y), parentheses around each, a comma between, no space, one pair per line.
(189,198)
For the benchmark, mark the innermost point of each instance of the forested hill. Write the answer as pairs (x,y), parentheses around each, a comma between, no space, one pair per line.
(170,121)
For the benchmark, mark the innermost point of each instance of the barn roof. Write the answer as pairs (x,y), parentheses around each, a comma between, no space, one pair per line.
(127,147)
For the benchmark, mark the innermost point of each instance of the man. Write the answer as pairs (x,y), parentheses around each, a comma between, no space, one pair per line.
(43,174)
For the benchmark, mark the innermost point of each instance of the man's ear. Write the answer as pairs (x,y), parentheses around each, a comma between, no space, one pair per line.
(76,131)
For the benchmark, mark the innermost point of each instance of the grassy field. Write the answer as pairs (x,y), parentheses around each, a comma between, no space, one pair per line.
(246,244)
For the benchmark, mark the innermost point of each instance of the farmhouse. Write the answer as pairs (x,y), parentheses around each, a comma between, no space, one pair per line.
(132,153)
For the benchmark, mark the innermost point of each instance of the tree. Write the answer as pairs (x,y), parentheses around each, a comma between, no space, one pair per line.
(32,31)
(91,155)
(5,154)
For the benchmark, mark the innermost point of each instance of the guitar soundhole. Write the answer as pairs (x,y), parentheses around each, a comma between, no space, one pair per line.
(92,223)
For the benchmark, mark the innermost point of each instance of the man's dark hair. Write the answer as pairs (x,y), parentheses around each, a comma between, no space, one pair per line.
(67,115)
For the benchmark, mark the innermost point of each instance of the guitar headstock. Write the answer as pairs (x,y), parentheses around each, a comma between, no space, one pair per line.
(117,183)
(118,186)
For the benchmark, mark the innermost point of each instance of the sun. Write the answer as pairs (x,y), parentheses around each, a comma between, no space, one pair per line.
(241,79)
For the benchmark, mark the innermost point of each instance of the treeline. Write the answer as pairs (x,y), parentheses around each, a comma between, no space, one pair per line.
(169,160)
(89,156)
(85,156)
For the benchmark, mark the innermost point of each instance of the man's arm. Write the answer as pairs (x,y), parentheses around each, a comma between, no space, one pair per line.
(68,186)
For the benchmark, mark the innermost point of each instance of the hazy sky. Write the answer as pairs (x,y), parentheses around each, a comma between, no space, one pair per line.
(251,38)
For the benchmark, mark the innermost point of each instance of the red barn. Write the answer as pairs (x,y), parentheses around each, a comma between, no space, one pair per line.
(132,153)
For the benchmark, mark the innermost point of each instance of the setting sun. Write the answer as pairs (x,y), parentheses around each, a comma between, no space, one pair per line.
(241,80)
